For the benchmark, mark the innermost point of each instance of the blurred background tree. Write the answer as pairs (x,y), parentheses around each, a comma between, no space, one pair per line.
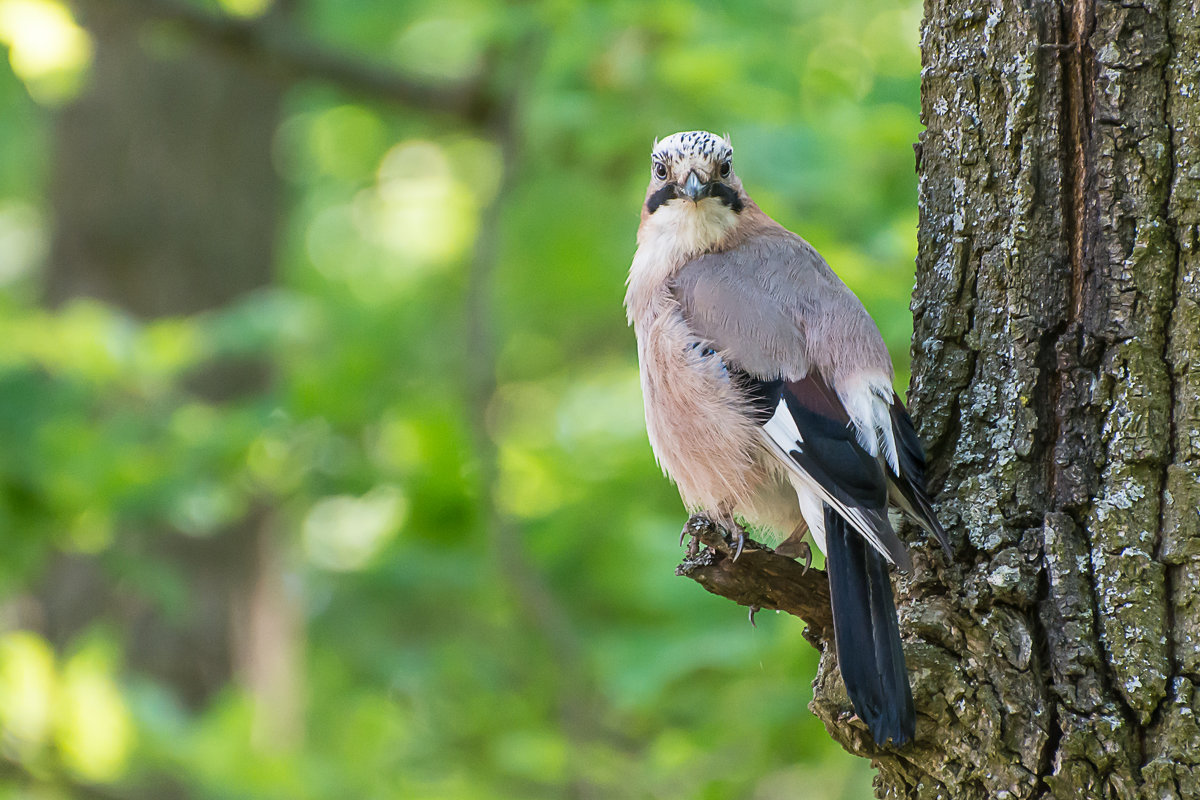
(323,470)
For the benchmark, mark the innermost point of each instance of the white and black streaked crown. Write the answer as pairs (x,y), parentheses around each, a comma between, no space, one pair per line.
(693,145)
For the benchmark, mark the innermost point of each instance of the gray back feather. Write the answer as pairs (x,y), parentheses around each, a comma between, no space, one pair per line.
(775,307)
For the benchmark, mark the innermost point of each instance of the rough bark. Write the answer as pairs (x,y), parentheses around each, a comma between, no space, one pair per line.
(1056,383)
(1055,359)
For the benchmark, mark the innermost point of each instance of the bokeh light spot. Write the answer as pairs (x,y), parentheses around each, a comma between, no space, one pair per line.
(26,690)
(344,532)
(47,49)
(247,9)
(95,732)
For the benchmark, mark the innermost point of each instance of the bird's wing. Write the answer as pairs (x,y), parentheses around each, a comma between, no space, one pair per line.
(784,325)
(808,429)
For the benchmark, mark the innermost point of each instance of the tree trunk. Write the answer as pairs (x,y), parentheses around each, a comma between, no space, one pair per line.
(1056,383)
(165,203)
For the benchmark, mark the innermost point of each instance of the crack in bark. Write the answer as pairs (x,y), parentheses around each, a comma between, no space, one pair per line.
(1077,107)
(1082,231)
(1167,357)
(1054,732)
(1059,347)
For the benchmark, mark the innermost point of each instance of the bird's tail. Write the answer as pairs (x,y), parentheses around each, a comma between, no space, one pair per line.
(867,633)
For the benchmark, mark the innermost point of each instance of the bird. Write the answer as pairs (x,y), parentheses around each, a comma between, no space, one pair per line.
(768,399)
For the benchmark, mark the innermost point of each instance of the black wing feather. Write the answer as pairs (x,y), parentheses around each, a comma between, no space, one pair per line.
(910,483)
(832,454)
(763,395)
(830,451)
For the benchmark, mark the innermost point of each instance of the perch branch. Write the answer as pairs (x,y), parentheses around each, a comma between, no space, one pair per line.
(760,578)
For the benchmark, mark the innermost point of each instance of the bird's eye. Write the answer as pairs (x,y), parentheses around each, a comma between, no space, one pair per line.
(660,170)
(726,168)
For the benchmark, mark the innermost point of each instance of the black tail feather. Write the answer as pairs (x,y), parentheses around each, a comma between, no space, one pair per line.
(867,633)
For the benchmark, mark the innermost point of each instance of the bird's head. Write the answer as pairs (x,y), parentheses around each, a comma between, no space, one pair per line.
(691,167)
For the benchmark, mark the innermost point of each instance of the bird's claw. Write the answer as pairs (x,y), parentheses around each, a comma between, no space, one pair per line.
(806,554)
(753,610)
(693,548)
(739,539)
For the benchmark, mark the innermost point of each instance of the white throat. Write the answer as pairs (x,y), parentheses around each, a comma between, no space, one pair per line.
(669,238)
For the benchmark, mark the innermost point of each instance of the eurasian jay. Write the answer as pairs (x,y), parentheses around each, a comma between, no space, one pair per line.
(768,397)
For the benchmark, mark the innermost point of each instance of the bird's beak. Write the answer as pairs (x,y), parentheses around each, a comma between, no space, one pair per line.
(694,188)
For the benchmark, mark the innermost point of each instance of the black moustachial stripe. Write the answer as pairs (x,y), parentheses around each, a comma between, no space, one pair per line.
(726,194)
(664,194)
(722,191)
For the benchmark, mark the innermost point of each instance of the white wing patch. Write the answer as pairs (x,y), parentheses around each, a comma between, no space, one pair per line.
(782,430)
(867,399)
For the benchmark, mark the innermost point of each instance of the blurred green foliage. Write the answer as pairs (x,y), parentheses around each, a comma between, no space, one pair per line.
(425,673)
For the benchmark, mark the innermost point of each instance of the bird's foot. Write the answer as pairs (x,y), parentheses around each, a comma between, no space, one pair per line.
(728,527)
(799,549)
(754,610)
(795,546)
